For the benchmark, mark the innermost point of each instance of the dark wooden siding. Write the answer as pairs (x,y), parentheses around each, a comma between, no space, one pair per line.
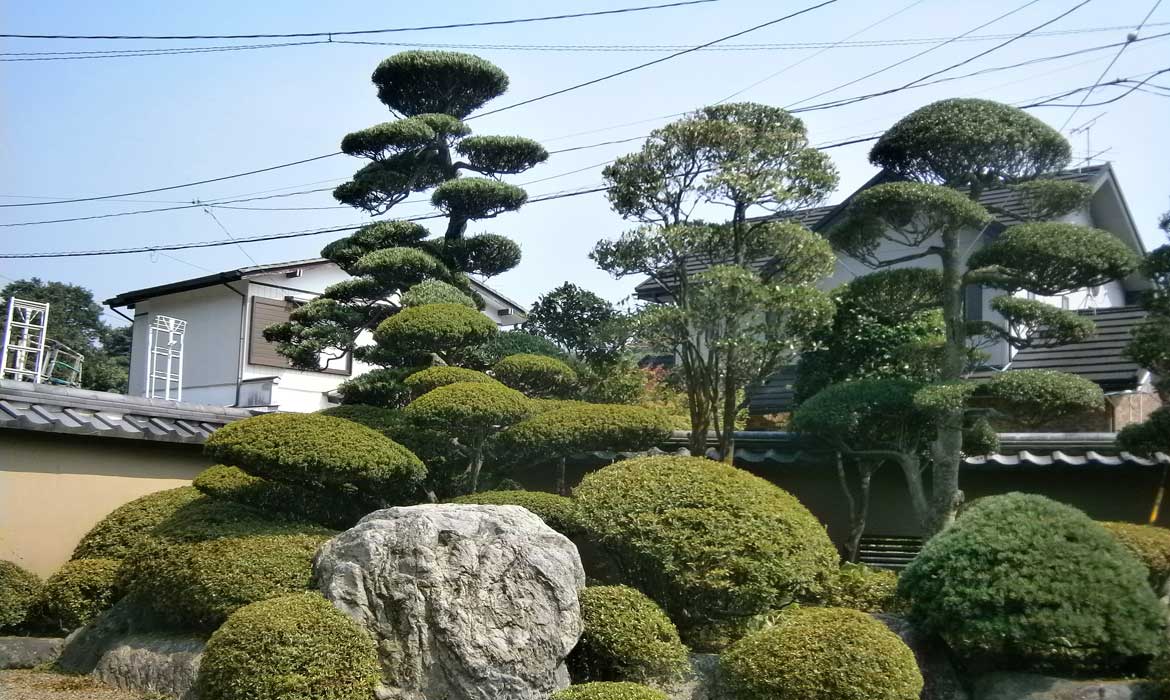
(266,312)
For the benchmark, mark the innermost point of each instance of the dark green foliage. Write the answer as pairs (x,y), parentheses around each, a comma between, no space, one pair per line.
(508,343)
(19,591)
(1150,545)
(866,414)
(210,518)
(469,406)
(384,386)
(822,654)
(399,267)
(1049,199)
(501,155)
(296,647)
(1031,322)
(1150,346)
(584,427)
(435,292)
(627,637)
(410,336)
(621,381)
(197,585)
(965,142)
(609,691)
(707,541)
(1051,258)
(77,592)
(1034,397)
(442,82)
(557,512)
(1149,437)
(477,197)
(131,524)
(579,321)
(329,506)
(371,237)
(387,421)
(1020,581)
(384,183)
(486,254)
(860,587)
(314,449)
(538,376)
(434,377)
(388,137)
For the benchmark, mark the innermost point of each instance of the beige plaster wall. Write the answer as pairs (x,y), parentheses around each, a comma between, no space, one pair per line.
(54,488)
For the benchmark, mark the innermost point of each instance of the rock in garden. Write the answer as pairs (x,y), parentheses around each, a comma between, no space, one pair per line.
(941,681)
(27,652)
(1030,686)
(466,602)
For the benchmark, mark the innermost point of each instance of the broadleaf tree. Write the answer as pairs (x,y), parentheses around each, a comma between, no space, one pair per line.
(754,304)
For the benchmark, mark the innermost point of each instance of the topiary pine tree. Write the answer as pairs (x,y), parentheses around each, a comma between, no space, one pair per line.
(949,153)
(429,147)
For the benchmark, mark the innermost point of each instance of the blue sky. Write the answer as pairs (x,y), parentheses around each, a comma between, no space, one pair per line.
(76,128)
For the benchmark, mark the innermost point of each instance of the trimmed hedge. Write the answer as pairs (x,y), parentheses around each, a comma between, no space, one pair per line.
(627,637)
(707,541)
(1021,581)
(332,507)
(468,406)
(587,427)
(77,592)
(296,647)
(412,334)
(387,421)
(130,525)
(198,585)
(512,343)
(378,387)
(536,375)
(313,449)
(19,590)
(609,691)
(1150,544)
(434,377)
(860,587)
(434,291)
(822,654)
(557,512)
(209,518)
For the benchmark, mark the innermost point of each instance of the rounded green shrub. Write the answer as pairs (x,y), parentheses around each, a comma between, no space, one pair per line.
(411,335)
(707,541)
(585,427)
(609,691)
(536,375)
(19,590)
(378,387)
(313,449)
(77,592)
(210,518)
(860,587)
(434,291)
(434,377)
(385,420)
(822,654)
(557,512)
(627,637)
(416,83)
(332,507)
(296,647)
(469,406)
(197,585)
(129,525)
(1150,544)
(512,343)
(1023,581)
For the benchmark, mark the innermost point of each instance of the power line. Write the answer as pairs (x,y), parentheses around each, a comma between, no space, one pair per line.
(656,61)
(229,234)
(300,35)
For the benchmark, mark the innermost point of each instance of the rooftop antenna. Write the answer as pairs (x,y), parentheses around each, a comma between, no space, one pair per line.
(164,353)
(24,340)
(1087,130)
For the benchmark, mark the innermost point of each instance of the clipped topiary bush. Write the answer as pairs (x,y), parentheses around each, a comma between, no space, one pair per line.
(209,518)
(387,421)
(511,343)
(411,335)
(130,525)
(313,449)
(198,585)
(434,377)
(573,427)
(860,587)
(379,387)
(434,291)
(296,647)
(77,592)
(1021,581)
(1151,546)
(627,637)
(536,375)
(822,654)
(707,541)
(609,691)
(557,512)
(19,590)
(333,507)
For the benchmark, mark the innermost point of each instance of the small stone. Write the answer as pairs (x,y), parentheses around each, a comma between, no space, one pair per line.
(1030,686)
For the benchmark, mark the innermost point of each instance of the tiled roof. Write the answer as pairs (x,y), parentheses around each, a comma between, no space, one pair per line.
(54,409)
(776,395)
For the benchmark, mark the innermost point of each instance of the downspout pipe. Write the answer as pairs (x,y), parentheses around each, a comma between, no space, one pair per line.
(240,347)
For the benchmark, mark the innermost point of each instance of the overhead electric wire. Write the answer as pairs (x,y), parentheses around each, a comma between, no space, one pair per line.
(358,32)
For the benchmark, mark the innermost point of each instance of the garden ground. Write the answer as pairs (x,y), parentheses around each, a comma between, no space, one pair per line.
(38,685)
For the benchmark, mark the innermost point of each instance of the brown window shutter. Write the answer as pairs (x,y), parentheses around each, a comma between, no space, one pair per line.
(266,312)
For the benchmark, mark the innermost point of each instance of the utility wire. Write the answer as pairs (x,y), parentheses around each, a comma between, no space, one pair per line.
(299,35)
(229,234)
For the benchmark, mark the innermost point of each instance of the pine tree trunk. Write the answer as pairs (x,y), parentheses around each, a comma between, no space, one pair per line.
(727,435)
(561,477)
(948,445)
(476,463)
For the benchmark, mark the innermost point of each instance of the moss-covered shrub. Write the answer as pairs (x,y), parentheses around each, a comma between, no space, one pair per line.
(197,585)
(860,587)
(1151,546)
(822,654)
(19,590)
(435,377)
(1023,581)
(609,691)
(129,525)
(627,637)
(311,449)
(331,507)
(707,541)
(536,375)
(557,512)
(387,421)
(296,647)
(77,592)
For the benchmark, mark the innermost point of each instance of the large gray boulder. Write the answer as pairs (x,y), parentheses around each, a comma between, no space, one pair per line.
(153,664)
(1030,686)
(27,652)
(466,602)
